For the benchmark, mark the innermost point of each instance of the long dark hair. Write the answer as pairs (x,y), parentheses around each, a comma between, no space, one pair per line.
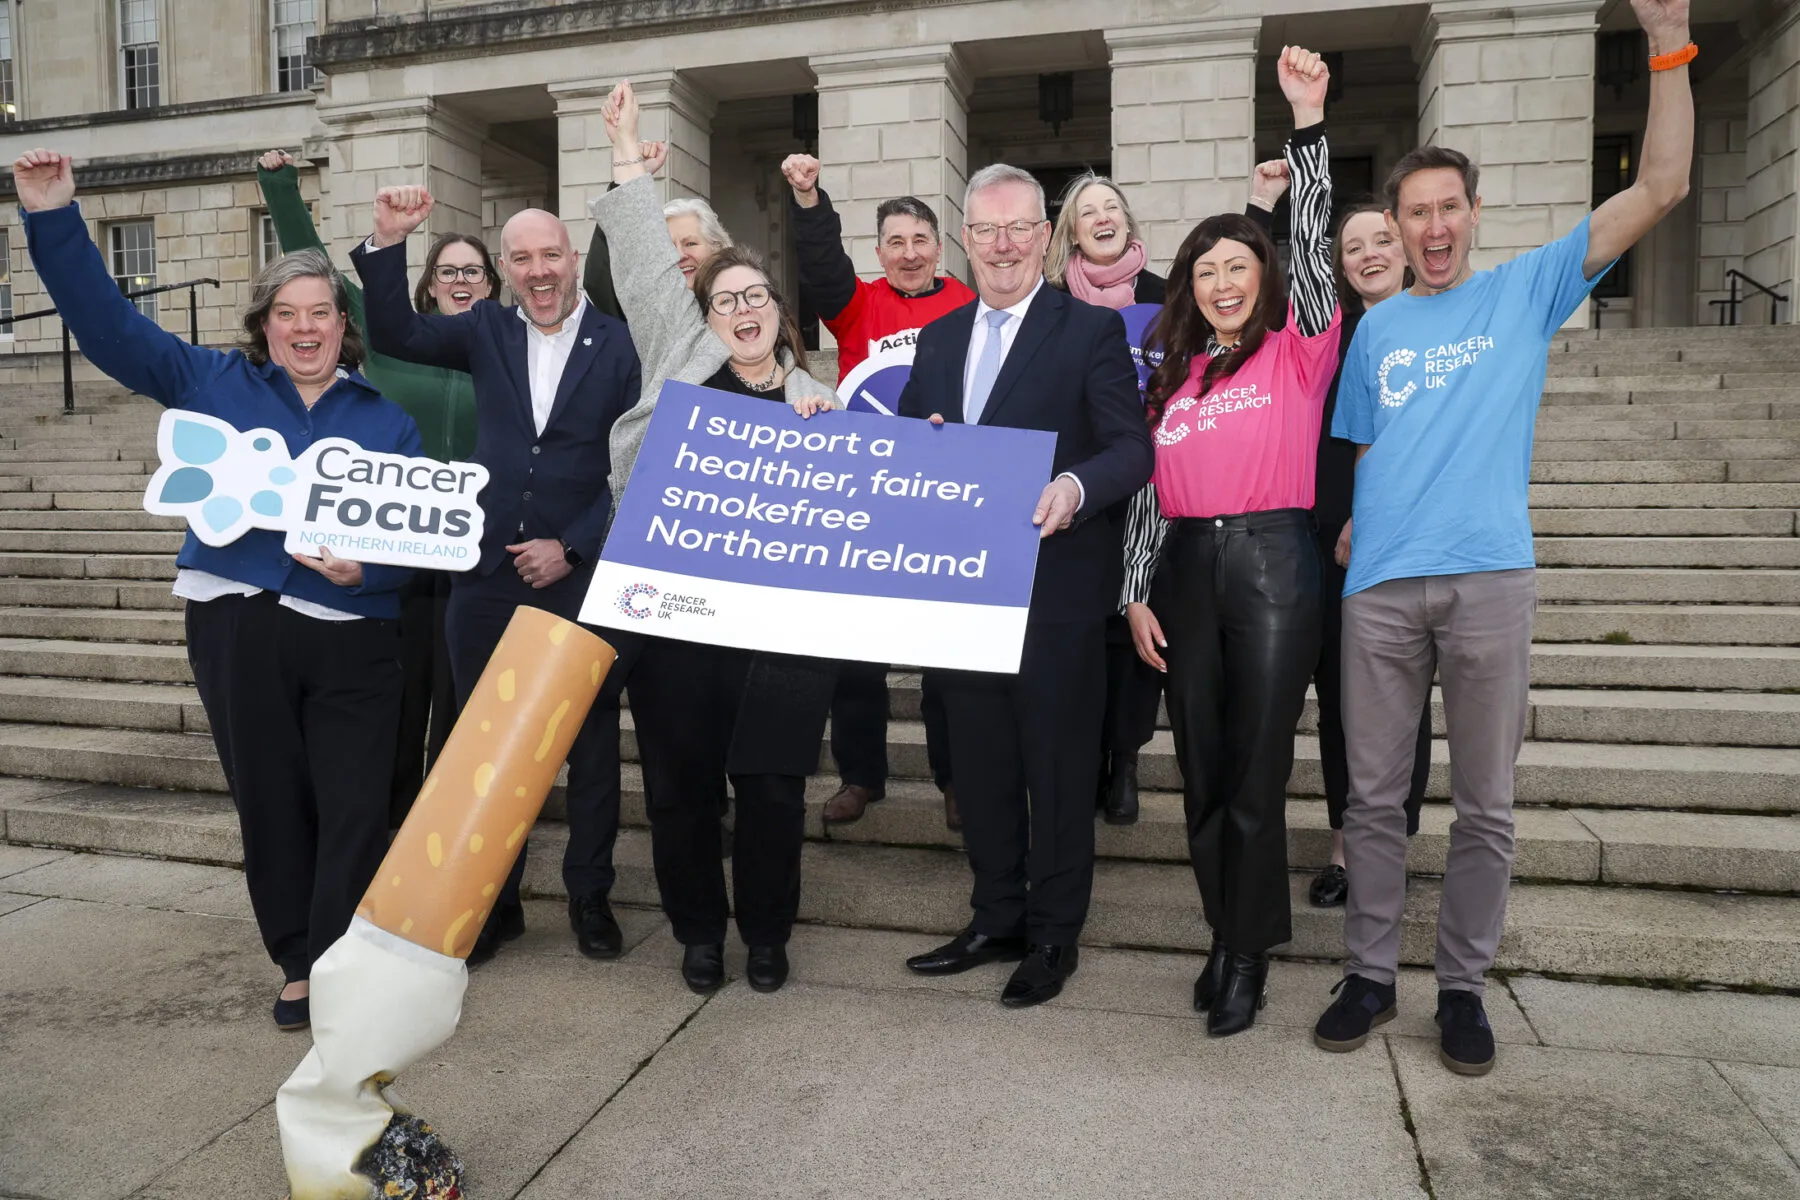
(787,335)
(1181,332)
(423,300)
(1349,299)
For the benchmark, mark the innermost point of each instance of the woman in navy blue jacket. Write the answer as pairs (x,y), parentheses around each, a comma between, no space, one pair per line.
(296,658)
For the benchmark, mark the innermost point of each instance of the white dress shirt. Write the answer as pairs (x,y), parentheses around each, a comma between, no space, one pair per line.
(192,584)
(546,355)
(1009,333)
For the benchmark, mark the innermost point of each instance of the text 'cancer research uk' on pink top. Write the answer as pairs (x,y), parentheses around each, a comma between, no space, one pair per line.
(1251,442)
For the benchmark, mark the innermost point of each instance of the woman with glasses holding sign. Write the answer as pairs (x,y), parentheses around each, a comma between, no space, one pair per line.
(296,659)
(1235,409)
(708,714)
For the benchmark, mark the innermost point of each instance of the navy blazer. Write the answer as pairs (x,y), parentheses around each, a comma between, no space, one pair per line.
(550,485)
(1069,371)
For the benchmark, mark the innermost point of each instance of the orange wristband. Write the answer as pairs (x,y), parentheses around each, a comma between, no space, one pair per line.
(1676,58)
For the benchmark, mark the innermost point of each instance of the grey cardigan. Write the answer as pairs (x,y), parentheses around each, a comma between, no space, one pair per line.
(672,337)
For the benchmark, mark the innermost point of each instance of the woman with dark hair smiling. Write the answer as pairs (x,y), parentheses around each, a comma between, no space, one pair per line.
(295,658)
(1235,407)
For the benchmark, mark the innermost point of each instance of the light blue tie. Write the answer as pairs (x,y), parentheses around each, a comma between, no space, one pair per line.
(987,368)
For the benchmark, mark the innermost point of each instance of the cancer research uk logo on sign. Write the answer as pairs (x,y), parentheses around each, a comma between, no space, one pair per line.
(850,535)
(363,505)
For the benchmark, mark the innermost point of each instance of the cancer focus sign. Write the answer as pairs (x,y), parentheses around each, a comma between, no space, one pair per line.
(361,504)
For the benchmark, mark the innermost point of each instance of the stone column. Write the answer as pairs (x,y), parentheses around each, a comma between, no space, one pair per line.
(379,145)
(1772,168)
(895,123)
(672,110)
(679,113)
(1184,123)
(1513,88)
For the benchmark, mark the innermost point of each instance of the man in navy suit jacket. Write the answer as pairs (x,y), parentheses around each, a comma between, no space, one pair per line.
(1025,748)
(551,375)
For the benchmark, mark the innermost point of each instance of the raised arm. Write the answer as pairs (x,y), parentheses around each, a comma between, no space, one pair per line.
(294,230)
(394,327)
(1304,79)
(1668,154)
(827,276)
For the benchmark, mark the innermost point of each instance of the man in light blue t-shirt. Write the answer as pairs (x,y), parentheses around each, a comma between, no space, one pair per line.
(1440,392)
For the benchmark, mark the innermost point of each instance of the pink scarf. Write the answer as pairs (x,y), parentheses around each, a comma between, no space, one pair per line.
(1109,286)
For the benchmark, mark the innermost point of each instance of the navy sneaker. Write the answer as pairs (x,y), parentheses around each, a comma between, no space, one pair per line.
(1362,1005)
(1467,1042)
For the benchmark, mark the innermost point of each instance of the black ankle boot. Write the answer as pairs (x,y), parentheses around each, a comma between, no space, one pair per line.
(1241,993)
(1212,975)
(1122,789)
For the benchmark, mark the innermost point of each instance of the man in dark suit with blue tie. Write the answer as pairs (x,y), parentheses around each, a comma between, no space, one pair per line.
(551,375)
(1025,748)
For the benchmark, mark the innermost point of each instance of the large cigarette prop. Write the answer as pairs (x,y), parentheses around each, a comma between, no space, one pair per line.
(390,990)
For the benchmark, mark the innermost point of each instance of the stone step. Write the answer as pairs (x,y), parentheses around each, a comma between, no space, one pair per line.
(90,541)
(1730,408)
(1770,470)
(133,758)
(1783,552)
(1664,471)
(93,624)
(1696,449)
(108,519)
(120,501)
(1669,382)
(1662,496)
(88,593)
(1665,718)
(1679,668)
(1719,624)
(62,463)
(1667,585)
(80,454)
(69,659)
(25,501)
(87,483)
(1663,522)
(163,707)
(88,566)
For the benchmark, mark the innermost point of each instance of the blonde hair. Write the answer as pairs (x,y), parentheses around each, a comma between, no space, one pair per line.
(1062,238)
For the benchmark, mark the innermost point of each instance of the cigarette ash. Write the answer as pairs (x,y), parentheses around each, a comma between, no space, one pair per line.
(410,1162)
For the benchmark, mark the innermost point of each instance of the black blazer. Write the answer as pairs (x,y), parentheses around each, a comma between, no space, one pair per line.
(1069,371)
(552,485)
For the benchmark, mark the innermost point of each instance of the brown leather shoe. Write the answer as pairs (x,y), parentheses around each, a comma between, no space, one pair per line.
(952,814)
(848,805)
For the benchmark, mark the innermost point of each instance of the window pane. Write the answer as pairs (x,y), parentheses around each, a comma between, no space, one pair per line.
(293,21)
(6,307)
(269,246)
(137,22)
(134,261)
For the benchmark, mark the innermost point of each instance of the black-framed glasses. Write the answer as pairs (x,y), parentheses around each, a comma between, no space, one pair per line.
(726,303)
(984,232)
(475,273)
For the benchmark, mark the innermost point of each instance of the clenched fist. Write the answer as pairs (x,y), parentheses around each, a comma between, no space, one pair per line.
(802,172)
(274,160)
(1304,80)
(44,179)
(399,211)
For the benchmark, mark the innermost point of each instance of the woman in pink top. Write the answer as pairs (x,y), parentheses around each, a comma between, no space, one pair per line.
(1235,408)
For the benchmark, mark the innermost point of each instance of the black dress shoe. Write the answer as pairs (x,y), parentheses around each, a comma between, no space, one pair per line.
(703,966)
(1212,975)
(1241,993)
(597,933)
(292,1014)
(968,949)
(1040,977)
(1122,789)
(767,969)
(503,925)
(1330,888)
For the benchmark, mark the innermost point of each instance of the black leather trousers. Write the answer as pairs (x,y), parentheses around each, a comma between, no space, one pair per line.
(1240,610)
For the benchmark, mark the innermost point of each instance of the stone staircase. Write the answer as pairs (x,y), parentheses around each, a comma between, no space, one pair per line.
(1659,788)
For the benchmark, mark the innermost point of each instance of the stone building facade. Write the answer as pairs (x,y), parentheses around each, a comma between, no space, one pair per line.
(495,105)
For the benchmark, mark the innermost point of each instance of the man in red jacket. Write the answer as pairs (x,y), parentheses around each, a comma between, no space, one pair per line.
(866,317)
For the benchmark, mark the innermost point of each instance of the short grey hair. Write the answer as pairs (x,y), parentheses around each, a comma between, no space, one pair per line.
(998,174)
(302,264)
(712,230)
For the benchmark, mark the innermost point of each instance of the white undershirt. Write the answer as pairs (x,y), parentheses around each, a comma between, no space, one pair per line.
(546,356)
(191,584)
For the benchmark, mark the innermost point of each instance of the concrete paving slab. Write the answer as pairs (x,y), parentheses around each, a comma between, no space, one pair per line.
(1773,1094)
(17,859)
(1552,1123)
(11,902)
(875,1089)
(1733,1026)
(104,879)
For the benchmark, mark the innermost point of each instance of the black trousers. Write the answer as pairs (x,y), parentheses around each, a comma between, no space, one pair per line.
(303,713)
(685,700)
(859,721)
(428,703)
(1241,615)
(1133,690)
(1328,683)
(480,607)
(1025,751)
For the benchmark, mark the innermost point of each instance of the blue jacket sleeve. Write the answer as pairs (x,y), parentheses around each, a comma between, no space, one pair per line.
(112,333)
(394,328)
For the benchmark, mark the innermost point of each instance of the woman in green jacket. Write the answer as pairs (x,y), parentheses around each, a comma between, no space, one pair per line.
(458,272)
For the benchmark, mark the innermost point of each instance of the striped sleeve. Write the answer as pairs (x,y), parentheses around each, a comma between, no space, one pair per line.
(1310,281)
(1145,528)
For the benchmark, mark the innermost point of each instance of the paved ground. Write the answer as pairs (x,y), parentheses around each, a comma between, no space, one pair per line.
(137,1058)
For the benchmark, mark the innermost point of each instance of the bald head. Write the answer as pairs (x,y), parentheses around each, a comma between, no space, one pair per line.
(540,266)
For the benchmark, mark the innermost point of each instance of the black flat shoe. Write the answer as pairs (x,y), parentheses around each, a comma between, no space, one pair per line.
(703,966)
(1242,991)
(767,969)
(292,1014)
(1330,888)
(1212,975)
(968,950)
(1040,977)
(1121,806)
(597,932)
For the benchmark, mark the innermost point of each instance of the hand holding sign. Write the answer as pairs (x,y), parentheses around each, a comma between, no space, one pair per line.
(341,571)
(1056,507)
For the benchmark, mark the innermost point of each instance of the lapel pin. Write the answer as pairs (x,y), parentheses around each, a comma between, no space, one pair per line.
(587,341)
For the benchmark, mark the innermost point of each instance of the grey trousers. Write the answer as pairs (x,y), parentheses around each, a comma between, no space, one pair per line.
(1475,630)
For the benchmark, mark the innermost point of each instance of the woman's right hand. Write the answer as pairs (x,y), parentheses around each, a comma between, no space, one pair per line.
(1147,635)
(1268,184)
(1342,553)
(44,179)
(274,160)
(620,113)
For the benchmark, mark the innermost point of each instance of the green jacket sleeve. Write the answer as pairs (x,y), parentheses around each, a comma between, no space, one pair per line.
(596,277)
(294,226)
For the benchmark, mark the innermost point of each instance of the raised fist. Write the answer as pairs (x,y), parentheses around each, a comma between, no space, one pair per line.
(802,173)
(44,179)
(654,154)
(274,160)
(620,113)
(399,211)
(1303,78)
(1665,21)
(1268,183)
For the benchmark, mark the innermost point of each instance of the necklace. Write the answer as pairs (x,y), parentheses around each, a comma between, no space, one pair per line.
(768,384)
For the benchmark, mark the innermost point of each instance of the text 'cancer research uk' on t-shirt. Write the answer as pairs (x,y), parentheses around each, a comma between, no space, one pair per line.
(1444,391)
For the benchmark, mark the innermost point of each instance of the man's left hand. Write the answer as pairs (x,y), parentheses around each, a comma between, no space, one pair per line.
(540,562)
(341,571)
(1056,507)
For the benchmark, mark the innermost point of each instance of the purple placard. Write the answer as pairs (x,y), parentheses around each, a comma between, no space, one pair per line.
(1137,323)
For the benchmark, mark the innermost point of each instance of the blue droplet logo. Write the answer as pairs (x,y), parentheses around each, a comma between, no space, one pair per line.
(186,485)
(198,444)
(266,503)
(262,443)
(221,511)
(281,475)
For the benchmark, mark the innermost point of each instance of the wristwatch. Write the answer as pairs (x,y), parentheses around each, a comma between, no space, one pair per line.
(569,555)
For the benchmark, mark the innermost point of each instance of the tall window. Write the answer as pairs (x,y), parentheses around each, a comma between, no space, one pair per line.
(293,22)
(140,58)
(6,307)
(1612,174)
(134,261)
(268,246)
(9,88)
